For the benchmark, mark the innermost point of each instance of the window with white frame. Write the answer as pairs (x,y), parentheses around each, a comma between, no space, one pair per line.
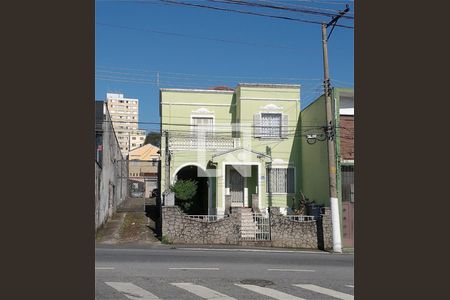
(280,180)
(203,125)
(270,125)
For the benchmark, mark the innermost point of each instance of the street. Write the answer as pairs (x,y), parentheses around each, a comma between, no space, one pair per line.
(165,272)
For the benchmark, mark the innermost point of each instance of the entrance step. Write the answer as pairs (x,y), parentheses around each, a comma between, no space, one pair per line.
(248,225)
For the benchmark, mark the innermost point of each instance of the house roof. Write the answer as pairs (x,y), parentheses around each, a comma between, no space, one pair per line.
(146,152)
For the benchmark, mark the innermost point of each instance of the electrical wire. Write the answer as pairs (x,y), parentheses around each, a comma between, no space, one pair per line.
(179,3)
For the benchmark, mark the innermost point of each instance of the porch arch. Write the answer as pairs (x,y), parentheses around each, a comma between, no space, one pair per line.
(203,199)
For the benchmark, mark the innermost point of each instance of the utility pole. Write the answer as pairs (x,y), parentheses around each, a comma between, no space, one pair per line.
(167,162)
(330,130)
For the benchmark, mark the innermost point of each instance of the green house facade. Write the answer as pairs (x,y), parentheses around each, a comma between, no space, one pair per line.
(240,145)
(314,156)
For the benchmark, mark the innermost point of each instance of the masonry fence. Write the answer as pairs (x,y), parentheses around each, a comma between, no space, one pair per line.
(304,232)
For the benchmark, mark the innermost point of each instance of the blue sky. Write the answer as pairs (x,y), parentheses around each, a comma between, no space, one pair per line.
(143,46)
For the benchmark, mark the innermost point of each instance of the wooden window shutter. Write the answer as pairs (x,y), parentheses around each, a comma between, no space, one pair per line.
(257,125)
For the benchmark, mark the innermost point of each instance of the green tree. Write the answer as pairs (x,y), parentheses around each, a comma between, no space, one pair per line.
(153,138)
(185,191)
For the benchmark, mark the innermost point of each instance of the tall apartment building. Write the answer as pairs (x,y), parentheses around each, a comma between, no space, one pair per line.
(125,116)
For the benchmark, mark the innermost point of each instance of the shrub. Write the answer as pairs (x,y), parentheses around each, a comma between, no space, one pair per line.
(185,191)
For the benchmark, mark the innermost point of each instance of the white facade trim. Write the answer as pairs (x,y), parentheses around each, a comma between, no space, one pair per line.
(347,161)
(197,91)
(197,104)
(269,99)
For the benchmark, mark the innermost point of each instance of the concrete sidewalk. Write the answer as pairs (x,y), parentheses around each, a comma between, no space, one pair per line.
(129,225)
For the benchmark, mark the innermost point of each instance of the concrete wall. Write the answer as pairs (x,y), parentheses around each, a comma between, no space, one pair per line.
(112,189)
(178,228)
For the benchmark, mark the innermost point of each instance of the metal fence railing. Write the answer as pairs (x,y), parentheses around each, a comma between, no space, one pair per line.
(206,218)
(300,218)
(255,227)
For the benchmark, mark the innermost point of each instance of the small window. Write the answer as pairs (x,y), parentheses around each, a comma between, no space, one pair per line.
(280,180)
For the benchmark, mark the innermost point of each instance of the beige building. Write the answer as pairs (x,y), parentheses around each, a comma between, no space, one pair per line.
(125,116)
(143,169)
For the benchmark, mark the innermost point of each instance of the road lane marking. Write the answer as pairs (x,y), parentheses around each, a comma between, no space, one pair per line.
(132,291)
(350,286)
(269,292)
(104,268)
(253,250)
(322,290)
(290,270)
(188,268)
(202,291)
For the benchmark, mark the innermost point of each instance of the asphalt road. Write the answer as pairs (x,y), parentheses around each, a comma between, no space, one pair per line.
(159,272)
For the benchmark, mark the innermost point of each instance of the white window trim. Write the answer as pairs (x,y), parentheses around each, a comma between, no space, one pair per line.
(211,116)
(281,126)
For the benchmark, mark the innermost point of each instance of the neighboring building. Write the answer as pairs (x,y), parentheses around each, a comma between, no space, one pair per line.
(143,164)
(314,154)
(125,116)
(240,145)
(110,171)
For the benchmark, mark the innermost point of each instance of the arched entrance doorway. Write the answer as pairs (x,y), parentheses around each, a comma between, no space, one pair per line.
(200,202)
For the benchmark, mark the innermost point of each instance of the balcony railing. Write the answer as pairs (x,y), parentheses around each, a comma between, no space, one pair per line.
(208,143)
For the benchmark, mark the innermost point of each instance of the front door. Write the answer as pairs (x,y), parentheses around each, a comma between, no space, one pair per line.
(236,188)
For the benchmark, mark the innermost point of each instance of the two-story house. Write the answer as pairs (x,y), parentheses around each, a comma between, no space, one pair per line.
(240,145)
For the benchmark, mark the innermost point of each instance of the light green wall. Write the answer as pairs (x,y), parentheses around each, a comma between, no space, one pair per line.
(314,158)
(227,107)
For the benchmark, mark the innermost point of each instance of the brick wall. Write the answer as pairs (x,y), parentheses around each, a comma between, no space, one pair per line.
(347,130)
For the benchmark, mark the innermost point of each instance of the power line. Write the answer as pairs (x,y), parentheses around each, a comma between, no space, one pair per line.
(246,12)
(278,7)
(200,37)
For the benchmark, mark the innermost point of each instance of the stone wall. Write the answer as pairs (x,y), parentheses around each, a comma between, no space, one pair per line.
(178,228)
(327,229)
(292,234)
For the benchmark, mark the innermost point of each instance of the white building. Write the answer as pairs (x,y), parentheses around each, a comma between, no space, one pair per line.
(125,116)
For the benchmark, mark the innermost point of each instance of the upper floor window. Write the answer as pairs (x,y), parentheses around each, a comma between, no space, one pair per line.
(270,125)
(203,125)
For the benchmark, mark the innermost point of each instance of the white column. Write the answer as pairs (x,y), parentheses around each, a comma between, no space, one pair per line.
(337,245)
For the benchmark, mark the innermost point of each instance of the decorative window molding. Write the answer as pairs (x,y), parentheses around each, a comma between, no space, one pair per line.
(202,110)
(271,107)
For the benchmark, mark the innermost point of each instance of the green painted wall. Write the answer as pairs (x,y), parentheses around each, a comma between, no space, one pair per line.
(314,158)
